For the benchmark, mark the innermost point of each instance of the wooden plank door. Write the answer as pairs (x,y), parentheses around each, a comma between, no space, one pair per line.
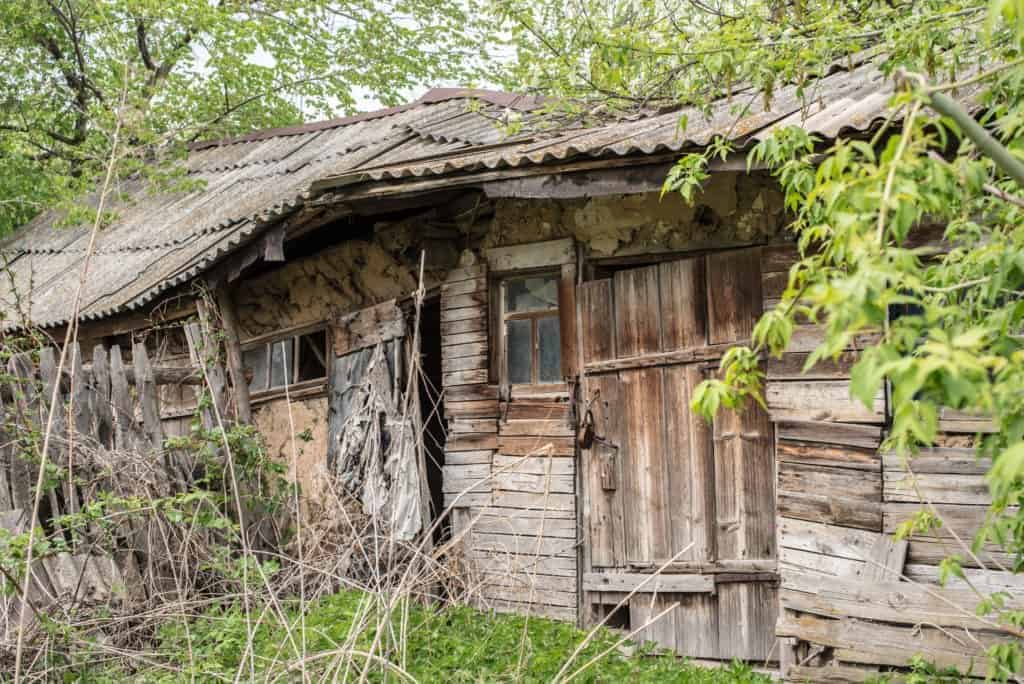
(661,486)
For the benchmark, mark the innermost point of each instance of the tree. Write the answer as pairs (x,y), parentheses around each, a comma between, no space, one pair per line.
(958,343)
(192,69)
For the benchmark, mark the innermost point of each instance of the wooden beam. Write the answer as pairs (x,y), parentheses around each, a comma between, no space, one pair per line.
(631,581)
(229,318)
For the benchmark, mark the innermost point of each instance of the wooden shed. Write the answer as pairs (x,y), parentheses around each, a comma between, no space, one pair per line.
(559,313)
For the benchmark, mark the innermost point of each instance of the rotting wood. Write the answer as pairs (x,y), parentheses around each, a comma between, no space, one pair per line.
(367,327)
(863,436)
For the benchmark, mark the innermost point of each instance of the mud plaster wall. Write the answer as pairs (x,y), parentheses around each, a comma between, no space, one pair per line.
(272,420)
(732,209)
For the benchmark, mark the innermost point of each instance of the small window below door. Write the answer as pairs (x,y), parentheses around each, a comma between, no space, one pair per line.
(530,333)
(291,360)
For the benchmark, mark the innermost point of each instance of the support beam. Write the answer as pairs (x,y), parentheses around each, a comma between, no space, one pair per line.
(229,318)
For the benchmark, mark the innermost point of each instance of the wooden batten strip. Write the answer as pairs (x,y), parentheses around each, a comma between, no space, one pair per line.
(533,255)
(627,582)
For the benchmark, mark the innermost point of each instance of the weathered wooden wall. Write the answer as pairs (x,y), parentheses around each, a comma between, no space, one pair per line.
(509,472)
(852,599)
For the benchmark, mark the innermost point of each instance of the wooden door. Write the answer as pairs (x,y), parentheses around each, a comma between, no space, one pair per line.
(663,489)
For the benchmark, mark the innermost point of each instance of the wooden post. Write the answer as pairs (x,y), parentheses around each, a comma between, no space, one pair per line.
(104,417)
(124,414)
(234,353)
(58,429)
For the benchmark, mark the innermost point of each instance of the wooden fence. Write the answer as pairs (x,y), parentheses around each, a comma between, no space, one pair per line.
(106,440)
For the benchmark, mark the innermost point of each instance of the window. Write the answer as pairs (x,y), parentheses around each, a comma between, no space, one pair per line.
(301,358)
(530,329)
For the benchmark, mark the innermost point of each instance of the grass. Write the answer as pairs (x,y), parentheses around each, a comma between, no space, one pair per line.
(453,644)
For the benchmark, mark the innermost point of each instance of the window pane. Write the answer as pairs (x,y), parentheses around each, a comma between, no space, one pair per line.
(313,356)
(536,293)
(520,355)
(549,340)
(281,355)
(255,363)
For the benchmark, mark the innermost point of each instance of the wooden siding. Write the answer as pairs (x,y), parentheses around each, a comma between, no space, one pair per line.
(509,472)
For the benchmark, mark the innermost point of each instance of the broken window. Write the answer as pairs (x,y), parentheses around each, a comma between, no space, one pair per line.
(295,359)
(530,329)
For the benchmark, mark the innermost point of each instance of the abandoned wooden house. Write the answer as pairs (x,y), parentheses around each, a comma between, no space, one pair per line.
(568,312)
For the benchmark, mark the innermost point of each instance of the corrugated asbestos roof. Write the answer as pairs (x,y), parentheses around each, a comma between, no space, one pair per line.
(159,241)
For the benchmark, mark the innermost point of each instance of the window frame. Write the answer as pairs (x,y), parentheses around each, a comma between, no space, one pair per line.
(293,335)
(500,332)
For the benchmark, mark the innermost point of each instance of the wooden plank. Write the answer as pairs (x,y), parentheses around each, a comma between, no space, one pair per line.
(524,545)
(103,414)
(824,539)
(535,428)
(232,345)
(773,283)
(535,465)
(596,310)
(467,499)
(881,644)
(367,327)
(464,338)
(630,581)
(744,495)
(124,412)
(734,294)
(836,674)
(540,599)
(471,393)
(679,356)
(939,461)
(885,560)
(475,299)
(563,503)
(830,481)
(512,521)
(461,287)
(468,457)
(792,367)
(643,615)
(513,481)
(807,561)
(807,338)
(643,467)
(846,457)
(58,425)
(820,400)
(605,541)
(469,325)
(563,613)
(529,564)
(464,363)
(936,488)
(533,255)
(145,386)
(895,602)
(636,301)
(834,510)
(568,339)
(683,304)
(473,425)
(467,313)
(465,377)
(465,350)
(536,446)
(864,436)
(537,410)
(466,273)
(485,408)
(470,442)
(747,612)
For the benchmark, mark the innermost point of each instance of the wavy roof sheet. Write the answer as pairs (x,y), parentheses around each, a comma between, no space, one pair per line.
(159,241)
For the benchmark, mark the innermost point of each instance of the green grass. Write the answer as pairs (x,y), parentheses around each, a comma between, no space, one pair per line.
(456,644)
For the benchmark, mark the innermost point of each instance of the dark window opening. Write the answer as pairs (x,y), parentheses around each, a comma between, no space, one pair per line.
(618,618)
(287,361)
